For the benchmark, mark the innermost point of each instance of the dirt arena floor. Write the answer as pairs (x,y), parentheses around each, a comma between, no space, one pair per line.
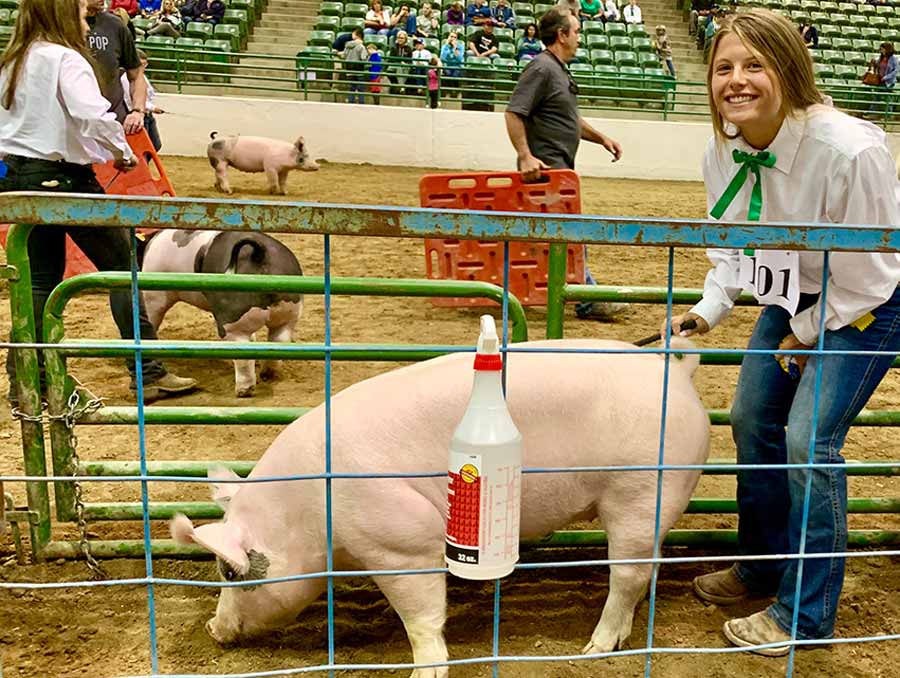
(103,632)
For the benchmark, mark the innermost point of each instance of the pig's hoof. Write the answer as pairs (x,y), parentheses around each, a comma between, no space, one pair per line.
(246,392)
(601,644)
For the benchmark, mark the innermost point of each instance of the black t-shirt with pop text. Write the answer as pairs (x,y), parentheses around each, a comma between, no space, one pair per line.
(113,48)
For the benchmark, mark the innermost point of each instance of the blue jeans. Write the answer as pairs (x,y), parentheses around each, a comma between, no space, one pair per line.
(771,424)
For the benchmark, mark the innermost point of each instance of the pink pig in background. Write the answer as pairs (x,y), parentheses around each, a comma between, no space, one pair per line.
(258,154)
(573,409)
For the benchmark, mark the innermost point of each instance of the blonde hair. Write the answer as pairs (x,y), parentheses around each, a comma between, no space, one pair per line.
(56,21)
(122,14)
(780,46)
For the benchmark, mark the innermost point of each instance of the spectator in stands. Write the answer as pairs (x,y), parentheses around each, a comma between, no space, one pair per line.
(130,6)
(356,58)
(127,22)
(426,21)
(213,12)
(542,118)
(699,8)
(421,57)
(484,43)
(167,21)
(452,57)
(434,81)
(664,50)
(632,13)
(402,21)
(49,141)
(886,66)
(150,108)
(455,15)
(375,67)
(712,27)
(340,43)
(611,11)
(591,10)
(503,15)
(478,13)
(149,7)
(378,19)
(401,57)
(810,35)
(530,44)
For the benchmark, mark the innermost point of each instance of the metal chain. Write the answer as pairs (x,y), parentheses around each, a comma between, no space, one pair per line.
(69,418)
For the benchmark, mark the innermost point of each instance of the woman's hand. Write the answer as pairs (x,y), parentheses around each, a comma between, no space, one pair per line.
(792,343)
(126,164)
(702,327)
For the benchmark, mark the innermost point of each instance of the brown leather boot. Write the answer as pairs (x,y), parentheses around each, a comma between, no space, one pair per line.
(722,588)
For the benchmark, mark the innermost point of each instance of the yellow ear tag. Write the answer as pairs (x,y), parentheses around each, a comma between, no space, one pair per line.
(863,322)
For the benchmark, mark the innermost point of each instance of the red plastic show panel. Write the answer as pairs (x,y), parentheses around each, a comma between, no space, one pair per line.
(452,259)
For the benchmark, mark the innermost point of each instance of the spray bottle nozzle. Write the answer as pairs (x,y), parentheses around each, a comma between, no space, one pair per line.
(488,351)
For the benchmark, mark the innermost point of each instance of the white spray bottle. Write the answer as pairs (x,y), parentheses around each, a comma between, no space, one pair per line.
(485,474)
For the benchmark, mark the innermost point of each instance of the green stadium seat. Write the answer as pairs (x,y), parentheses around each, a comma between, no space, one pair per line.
(141,23)
(635,30)
(884,10)
(845,71)
(631,82)
(4,17)
(380,41)
(894,21)
(856,58)
(878,23)
(239,18)
(327,23)
(522,20)
(824,43)
(9,4)
(851,32)
(891,35)
(839,19)
(582,56)
(161,56)
(859,20)
(506,50)
(5,34)
(597,41)
(866,9)
(329,8)
(642,44)
(324,38)
(315,68)
(830,30)
(248,6)
(198,29)
(860,46)
(613,28)
(873,33)
(583,74)
(504,34)
(842,44)
(592,27)
(348,23)
(818,19)
(13,16)
(620,42)
(828,7)
(506,72)
(606,82)
(541,9)
(624,58)
(647,60)
(602,57)
(657,83)
(355,9)
(229,32)
(433,45)
(823,71)
(832,56)
(523,8)
(189,43)
(218,60)
(791,5)
(809,5)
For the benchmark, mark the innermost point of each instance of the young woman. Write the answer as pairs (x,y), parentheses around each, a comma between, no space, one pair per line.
(814,164)
(452,57)
(167,22)
(529,45)
(54,124)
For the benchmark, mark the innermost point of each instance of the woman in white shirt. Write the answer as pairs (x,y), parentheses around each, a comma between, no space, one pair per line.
(812,164)
(54,124)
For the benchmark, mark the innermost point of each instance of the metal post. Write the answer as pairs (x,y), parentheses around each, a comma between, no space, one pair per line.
(556,287)
(29,383)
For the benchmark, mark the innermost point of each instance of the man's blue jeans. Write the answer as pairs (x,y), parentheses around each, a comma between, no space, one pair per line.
(772,420)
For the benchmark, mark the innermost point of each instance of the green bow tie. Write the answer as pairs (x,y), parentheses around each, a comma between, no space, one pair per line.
(748,161)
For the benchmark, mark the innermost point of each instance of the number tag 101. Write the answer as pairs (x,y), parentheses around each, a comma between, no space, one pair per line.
(772,276)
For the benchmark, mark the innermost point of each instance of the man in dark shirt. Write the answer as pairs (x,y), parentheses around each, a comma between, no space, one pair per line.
(113,48)
(484,43)
(542,117)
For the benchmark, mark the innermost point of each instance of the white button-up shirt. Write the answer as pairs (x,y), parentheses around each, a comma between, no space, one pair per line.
(632,14)
(830,168)
(58,112)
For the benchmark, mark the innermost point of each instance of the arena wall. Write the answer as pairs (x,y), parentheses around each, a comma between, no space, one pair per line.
(449,139)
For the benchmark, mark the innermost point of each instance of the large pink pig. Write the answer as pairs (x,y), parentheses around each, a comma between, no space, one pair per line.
(573,409)
(258,154)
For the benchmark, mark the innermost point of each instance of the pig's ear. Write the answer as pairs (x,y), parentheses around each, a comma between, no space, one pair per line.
(220,539)
(223,493)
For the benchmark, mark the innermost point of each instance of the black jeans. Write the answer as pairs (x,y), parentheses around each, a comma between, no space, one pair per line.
(109,249)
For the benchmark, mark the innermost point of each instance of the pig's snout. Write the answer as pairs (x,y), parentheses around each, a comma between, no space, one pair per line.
(310,166)
(218,632)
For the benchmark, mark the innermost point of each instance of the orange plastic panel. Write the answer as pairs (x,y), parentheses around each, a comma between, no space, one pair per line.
(139,181)
(452,259)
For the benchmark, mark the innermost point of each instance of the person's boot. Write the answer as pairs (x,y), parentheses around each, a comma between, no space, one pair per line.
(166,386)
(599,310)
(758,629)
(723,587)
